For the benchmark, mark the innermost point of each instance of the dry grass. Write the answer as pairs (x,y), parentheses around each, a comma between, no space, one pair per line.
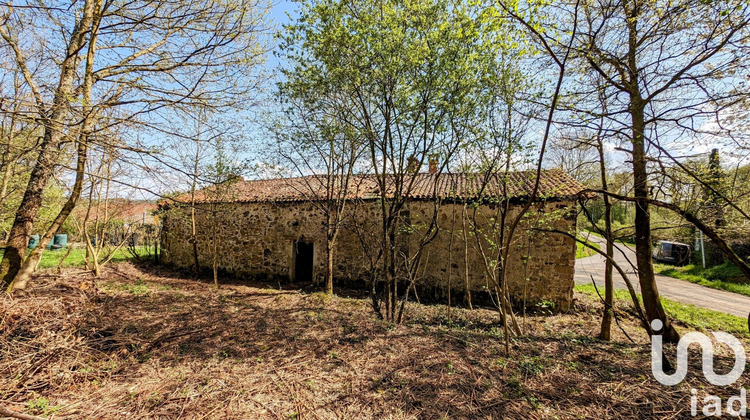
(145,343)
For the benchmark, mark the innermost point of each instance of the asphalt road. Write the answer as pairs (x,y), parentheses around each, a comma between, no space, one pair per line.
(678,290)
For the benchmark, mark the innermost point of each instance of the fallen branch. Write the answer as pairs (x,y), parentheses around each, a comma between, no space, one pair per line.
(169,337)
(7,412)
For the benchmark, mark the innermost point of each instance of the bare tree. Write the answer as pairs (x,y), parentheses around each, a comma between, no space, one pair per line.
(126,62)
(313,142)
(666,69)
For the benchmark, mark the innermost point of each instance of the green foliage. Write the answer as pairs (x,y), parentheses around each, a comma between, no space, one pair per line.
(397,73)
(52,202)
(139,288)
(531,366)
(40,405)
(596,211)
(545,306)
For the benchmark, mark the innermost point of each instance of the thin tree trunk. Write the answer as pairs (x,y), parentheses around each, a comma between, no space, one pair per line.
(606,328)
(9,157)
(214,245)
(193,187)
(7,175)
(329,265)
(467,289)
(392,270)
(194,237)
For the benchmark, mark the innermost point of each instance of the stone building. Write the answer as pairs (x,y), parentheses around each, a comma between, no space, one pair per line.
(276,229)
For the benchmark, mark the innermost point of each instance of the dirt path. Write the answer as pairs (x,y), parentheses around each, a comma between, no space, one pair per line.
(671,288)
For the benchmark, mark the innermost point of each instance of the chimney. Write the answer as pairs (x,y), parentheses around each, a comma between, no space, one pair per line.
(433,164)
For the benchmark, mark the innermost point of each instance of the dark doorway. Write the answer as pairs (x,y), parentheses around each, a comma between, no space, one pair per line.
(303,261)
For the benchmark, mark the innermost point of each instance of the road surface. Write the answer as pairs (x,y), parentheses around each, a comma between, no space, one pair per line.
(671,288)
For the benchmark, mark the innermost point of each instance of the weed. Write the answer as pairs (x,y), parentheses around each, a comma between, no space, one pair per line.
(40,405)
(320,298)
(531,366)
(545,306)
(534,401)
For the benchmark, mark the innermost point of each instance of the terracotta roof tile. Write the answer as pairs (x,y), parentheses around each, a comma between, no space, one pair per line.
(553,184)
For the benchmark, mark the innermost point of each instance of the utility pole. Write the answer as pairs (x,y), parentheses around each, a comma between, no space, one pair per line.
(703,249)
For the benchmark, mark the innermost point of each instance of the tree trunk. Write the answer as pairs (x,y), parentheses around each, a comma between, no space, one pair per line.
(193,187)
(7,175)
(215,246)
(23,274)
(216,272)
(194,238)
(53,120)
(28,209)
(606,329)
(329,266)
(467,289)
(649,290)
(392,271)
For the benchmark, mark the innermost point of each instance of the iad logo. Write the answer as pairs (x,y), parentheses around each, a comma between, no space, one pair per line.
(657,368)
(712,405)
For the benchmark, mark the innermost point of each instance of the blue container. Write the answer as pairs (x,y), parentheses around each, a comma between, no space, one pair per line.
(33,241)
(61,239)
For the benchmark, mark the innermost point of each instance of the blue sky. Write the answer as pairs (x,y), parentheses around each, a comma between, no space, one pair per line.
(280,9)
(283,11)
(280,12)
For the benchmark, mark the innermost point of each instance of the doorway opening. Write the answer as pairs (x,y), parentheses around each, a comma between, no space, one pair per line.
(303,261)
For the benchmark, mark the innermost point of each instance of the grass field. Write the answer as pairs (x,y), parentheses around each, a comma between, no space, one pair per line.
(690,316)
(724,277)
(77,257)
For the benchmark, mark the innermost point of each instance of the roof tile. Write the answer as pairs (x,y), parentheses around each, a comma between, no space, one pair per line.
(553,184)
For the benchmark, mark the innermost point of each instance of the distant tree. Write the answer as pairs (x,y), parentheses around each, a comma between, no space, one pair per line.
(575,156)
(714,191)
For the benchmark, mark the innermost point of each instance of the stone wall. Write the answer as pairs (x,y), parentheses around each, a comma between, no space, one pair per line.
(257,240)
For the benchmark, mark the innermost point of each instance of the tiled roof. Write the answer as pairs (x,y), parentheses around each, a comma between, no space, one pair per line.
(120,209)
(554,184)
